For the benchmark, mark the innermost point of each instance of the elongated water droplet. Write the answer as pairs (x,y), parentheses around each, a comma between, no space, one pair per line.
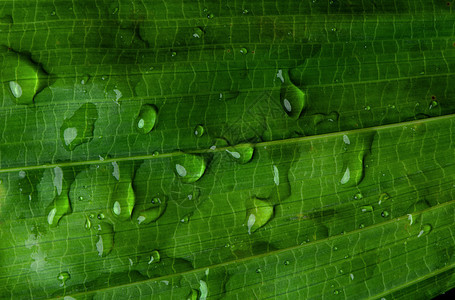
(426,229)
(23,77)
(366,208)
(122,200)
(146,119)
(63,277)
(258,215)
(88,223)
(154,257)
(241,153)
(199,131)
(105,241)
(198,32)
(78,129)
(189,167)
(203,290)
(59,207)
(292,98)
(149,215)
(194,295)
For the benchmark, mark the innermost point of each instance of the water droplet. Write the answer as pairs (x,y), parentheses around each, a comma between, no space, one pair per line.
(433,104)
(366,208)
(243,51)
(245,11)
(198,32)
(335,248)
(189,167)
(341,271)
(385,214)
(88,223)
(336,292)
(383,197)
(154,257)
(100,216)
(105,241)
(292,98)
(286,263)
(186,218)
(351,276)
(367,107)
(203,289)
(63,277)
(260,213)
(91,216)
(59,207)
(346,139)
(123,200)
(426,229)
(358,196)
(146,119)
(25,78)
(78,129)
(346,176)
(334,29)
(199,131)
(146,214)
(173,53)
(210,16)
(258,270)
(361,226)
(241,153)
(194,295)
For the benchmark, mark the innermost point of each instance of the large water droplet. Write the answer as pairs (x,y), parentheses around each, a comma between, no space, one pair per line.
(78,129)
(57,209)
(146,119)
(122,200)
(292,98)
(189,167)
(241,153)
(105,241)
(23,77)
(63,277)
(257,216)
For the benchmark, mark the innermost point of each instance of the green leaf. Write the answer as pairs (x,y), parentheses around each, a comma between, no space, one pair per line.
(226,150)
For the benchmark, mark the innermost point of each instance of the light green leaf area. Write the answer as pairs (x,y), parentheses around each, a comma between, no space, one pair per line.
(227,150)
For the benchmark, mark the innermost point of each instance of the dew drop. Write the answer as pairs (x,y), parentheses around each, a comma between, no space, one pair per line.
(241,153)
(292,98)
(366,208)
(426,229)
(385,214)
(189,167)
(358,196)
(286,263)
(198,32)
(146,120)
(88,223)
(100,216)
(105,241)
(367,107)
(154,257)
(243,51)
(258,215)
(78,129)
(258,270)
(123,200)
(361,226)
(245,11)
(194,295)
(144,216)
(25,78)
(59,207)
(199,131)
(186,218)
(433,104)
(63,277)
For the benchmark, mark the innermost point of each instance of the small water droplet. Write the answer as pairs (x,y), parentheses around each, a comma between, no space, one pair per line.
(146,119)
(63,277)
(199,131)
(78,129)
(367,107)
(243,50)
(198,32)
(385,214)
(88,223)
(334,29)
(105,241)
(186,218)
(53,13)
(123,200)
(335,248)
(361,226)
(292,98)
(286,263)
(258,270)
(210,16)
(189,167)
(155,257)
(81,198)
(433,104)
(426,229)
(241,153)
(341,271)
(245,11)
(383,197)
(366,208)
(336,292)
(260,213)
(358,196)
(91,216)
(173,53)
(100,216)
